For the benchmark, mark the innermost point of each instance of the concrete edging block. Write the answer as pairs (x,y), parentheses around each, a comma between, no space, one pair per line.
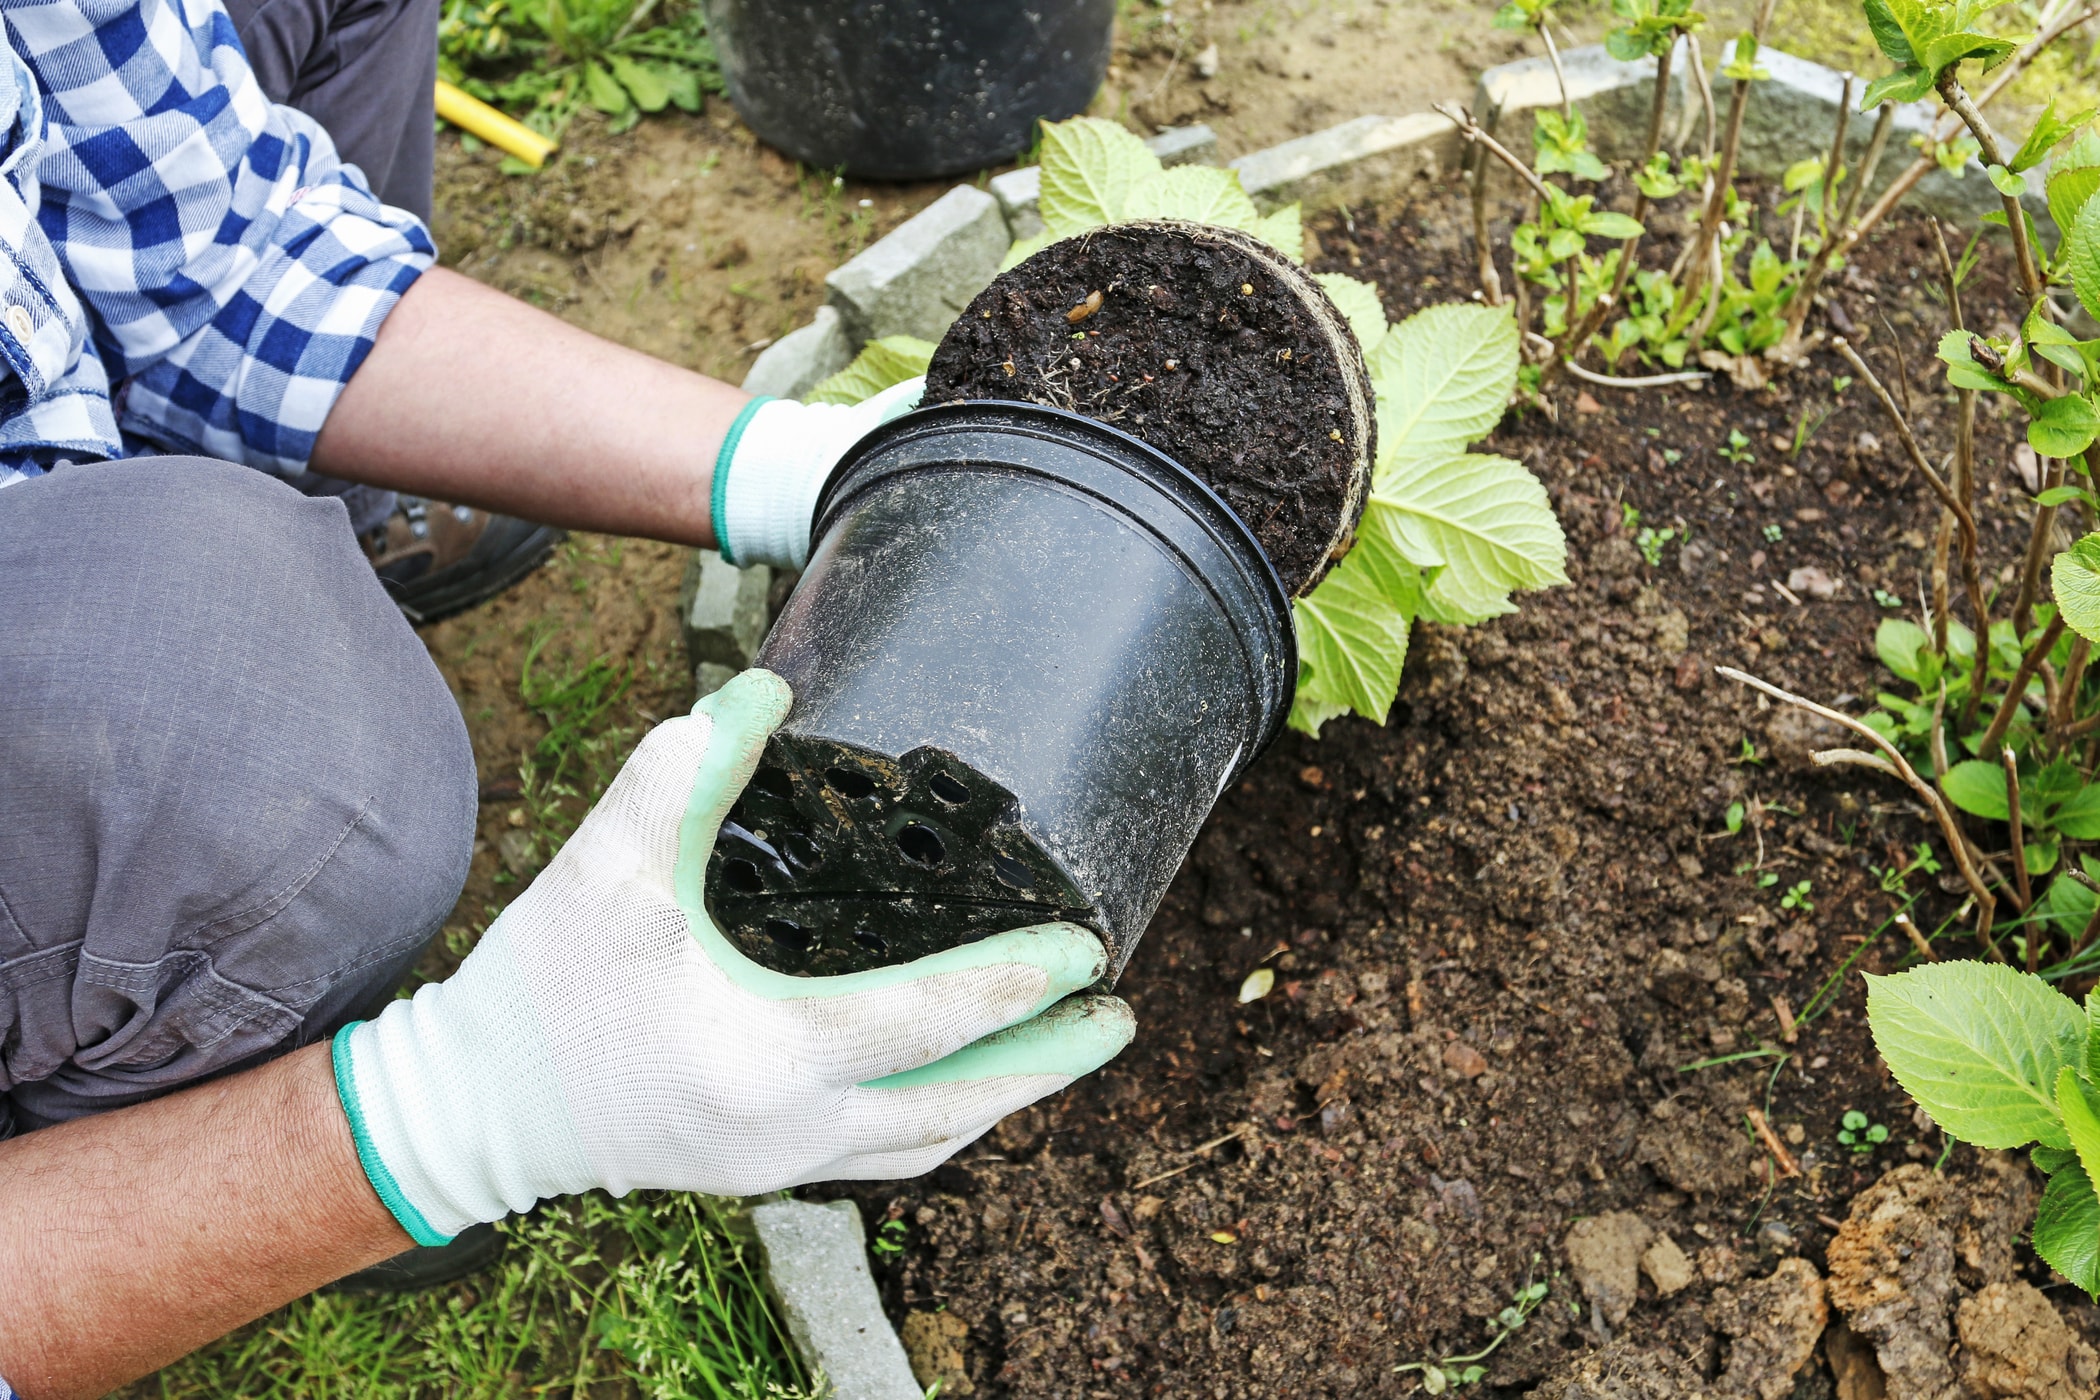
(816,1263)
(1348,163)
(917,279)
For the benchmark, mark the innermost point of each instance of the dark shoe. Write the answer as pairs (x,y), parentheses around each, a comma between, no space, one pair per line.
(438,559)
(472,1250)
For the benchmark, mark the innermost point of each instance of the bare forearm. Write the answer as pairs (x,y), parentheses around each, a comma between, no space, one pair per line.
(470,395)
(130,1239)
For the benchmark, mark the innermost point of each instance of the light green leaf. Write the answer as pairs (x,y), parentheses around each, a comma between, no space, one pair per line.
(2063,427)
(2049,131)
(1443,378)
(1284,231)
(2074,579)
(2080,1122)
(2010,184)
(1898,644)
(1903,85)
(603,91)
(2083,243)
(2079,817)
(1485,520)
(2067,1228)
(1609,225)
(1203,194)
(1439,606)
(643,80)
(1964,371)
(1352,628)
(2069,191)
(1358,302)
(2092,1001)
(1978,788)
(1090,167)
(1978,1045)
(890,360)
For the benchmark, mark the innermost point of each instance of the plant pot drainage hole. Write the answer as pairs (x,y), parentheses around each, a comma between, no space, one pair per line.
(921,844)
(948,789)
(774,782)
(1010,872)
(801,852)
(742,876)
(791,936)
(854,787)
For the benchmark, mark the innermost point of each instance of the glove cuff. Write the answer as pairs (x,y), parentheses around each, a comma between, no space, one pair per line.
(454,1102)
(772,465)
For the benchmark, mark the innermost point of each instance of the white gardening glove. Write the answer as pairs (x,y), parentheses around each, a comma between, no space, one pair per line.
(775,460)
(605,1034)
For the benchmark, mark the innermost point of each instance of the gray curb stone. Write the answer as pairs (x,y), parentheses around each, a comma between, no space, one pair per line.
(816,1262)
(722,613)
(1019,192)
(1615,98)
(919,277)
(1350,162)
(800,360)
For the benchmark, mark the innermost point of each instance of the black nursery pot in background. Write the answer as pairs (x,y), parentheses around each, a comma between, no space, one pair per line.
(908,89)
(1028,654)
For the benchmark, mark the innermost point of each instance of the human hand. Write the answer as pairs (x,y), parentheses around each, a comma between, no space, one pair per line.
(774,463)
(604,1033)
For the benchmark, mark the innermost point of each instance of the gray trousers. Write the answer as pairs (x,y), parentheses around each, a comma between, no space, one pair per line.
(236,796)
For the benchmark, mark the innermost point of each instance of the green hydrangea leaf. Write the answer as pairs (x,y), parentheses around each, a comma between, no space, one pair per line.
(881,363)
(2082,246)
(1352,628)
(1898,643)
(2010,183)
(2067,1228)
(2080,1122)
(1978,1045)
(1202,194)
(1484,520)
(1283,230)
(1903,85)
(1978,788)
(1090,167)
(1025,248)
(2048,133)
(1358,302)
(2074,579)
(1963,370)
(2063,427)
(1443,378)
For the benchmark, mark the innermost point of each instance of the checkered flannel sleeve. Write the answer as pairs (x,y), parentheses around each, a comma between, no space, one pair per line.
(235,270)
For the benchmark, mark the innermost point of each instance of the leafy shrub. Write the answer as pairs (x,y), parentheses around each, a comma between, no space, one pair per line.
(2002,1060)
(547,59)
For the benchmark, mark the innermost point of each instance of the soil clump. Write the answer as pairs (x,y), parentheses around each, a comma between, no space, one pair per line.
(1203,342)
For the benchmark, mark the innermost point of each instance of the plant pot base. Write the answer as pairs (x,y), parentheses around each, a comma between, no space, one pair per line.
(838,859)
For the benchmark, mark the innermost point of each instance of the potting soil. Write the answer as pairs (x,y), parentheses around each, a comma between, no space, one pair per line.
(1203,344)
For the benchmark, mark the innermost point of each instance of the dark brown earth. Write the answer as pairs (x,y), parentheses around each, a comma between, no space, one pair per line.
(1512,936)
(1203,343)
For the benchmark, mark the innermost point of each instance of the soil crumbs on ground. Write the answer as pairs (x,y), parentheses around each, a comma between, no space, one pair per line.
(1502,928)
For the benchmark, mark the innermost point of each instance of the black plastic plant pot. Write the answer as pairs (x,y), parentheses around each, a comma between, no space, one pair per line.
(1028,654)
(908,89)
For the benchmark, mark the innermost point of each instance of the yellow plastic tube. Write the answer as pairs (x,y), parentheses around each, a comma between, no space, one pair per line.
(510,137)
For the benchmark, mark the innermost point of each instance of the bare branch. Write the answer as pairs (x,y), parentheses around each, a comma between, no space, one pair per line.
(1471,131)
(2010,706)
(2019,839)
(1910,442)
(1986,902)
(1644,381)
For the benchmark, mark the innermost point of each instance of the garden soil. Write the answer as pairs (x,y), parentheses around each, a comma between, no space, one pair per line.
(1500,925)
(1202,342)
(1511,933)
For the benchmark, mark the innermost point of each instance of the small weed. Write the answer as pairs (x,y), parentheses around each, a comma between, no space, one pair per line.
(1797,898)
(1922,862)
(1774,533)
(1738,448)
(1748,753)
(1734,819)
(1839,383)
(1857,1133)
(1887,599)
(1650,542)
(1767,879)
(1453,1372)
(889,1240)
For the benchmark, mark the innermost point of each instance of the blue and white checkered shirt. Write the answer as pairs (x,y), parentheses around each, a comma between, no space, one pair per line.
(166,228)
